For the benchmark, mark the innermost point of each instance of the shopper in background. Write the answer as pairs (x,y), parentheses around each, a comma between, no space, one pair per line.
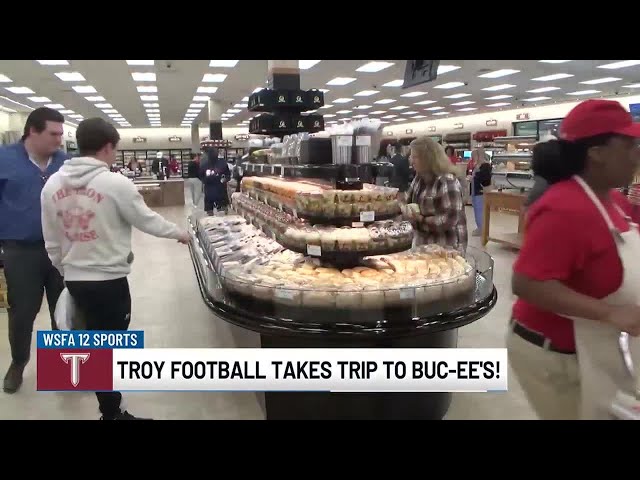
(25,167)
(577,273)
(401,174)
(87,217)
(480,178)
(193,183)
(451,154)
(214,173)
(438,194)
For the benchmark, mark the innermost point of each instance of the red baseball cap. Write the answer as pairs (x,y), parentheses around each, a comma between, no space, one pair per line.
(597,117)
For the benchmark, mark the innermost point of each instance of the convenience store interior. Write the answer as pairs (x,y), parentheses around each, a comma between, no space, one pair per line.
(167,106)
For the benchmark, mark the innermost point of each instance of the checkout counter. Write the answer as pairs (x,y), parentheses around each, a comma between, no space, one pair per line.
(161,193)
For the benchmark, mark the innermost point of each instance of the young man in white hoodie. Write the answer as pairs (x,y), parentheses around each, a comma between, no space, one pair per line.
(87,216)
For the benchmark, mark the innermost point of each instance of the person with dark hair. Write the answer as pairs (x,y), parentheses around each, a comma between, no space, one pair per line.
(576,275)
(214,173)
(451,154)
(87,216)
(25,167)
(401,174)
(193,184)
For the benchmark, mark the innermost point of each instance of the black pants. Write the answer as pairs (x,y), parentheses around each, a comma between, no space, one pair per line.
(104,305)
(29,274)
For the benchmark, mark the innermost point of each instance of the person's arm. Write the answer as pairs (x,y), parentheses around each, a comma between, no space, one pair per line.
(134,210)
(555,246)
(450,203)
(50,231)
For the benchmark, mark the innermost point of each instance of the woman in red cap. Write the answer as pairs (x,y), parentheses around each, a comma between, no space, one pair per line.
(577,275)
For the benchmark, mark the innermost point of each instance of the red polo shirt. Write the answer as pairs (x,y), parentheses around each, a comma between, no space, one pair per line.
(568,240)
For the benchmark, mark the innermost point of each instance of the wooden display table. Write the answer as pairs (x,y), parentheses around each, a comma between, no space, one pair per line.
(161,193)
(504,202)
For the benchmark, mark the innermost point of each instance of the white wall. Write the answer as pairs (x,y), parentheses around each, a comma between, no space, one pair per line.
(505,118)
(158,138)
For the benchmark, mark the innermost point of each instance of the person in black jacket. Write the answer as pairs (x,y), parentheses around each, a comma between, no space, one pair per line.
(401,176)
(193,184)
(481,177)
(214,173)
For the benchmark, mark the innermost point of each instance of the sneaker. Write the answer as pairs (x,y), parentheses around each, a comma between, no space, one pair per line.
(13,378)
(124,416)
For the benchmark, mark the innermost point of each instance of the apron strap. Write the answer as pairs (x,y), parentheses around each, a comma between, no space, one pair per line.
(596,201)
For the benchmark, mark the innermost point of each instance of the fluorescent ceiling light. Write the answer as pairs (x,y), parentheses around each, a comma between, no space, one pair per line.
(55,106)
(343,100)
(197,105)
(377,112)
(555,76)
(535,99)
(207,89)
(341,81)
(115,115)
(149,98)
(5,79)
(194,110)
(632,85)
(343,112)
(241,105)
(385,101)
(147,89)
(410,112)
(441,113)
(153,110)
(413,94)
(390,116)
(234,110)
(450,85)
(223,63)
(307,64)
(499,104)
(362,107)
(420,116)
(20,90)
(70,76)
(502,86)
(554,61)
(394,83)
(76,116)
(543,89)
(434,108)
(365,93)
(399,107)
(499,73)
(151,105)
(446,68)
(153,115)
(200,98)
(498,97)
(53,62)
(144,76)
(259,89)
(140,62)
(84,89)
(583,92)
(457,95)
(103,105)
(399,119)
(601,80)
(373,67)
(330,115)
(66,112)
(95,99)
(110,110)
(467,109)
(622,64)
(214,77)
(244,99)
(324,90)
(467,102)
(429,102)
(39,99)
(327,106)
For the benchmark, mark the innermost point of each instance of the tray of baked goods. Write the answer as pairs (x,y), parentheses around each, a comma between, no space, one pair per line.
(328,171)
(254,274)
(319,202)
(341,244)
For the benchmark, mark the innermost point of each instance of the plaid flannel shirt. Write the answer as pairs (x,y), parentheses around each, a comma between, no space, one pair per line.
(442,207)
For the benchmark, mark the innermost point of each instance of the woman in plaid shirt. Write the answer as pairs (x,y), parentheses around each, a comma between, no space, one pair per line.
(438,193)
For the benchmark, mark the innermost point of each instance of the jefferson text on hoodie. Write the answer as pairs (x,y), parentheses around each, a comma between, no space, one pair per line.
(87,215)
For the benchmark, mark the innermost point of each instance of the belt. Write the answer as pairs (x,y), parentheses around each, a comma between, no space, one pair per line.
(536,338)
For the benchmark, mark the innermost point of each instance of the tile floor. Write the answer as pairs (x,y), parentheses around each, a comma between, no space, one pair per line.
(168,306)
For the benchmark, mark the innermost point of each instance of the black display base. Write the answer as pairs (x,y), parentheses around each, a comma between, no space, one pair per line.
(358,406)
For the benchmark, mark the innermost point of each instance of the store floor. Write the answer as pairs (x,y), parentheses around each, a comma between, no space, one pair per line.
(168,307)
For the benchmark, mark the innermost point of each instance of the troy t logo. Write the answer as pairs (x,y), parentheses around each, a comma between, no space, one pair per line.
(75,359)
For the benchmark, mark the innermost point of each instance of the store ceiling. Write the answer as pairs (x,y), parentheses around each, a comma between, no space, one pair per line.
(176,86)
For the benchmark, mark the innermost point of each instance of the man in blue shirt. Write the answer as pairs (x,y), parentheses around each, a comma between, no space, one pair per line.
(24,169)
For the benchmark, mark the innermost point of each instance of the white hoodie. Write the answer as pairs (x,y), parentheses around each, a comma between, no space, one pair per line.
(87,215)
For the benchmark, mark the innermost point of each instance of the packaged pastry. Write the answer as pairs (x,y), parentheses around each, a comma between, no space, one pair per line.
(288,294)
(349,297)
(320,297)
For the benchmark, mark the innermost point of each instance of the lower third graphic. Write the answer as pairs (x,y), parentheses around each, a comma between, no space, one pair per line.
(74,370)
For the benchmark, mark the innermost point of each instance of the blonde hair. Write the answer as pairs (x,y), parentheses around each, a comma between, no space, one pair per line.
(430,158)
(480,156)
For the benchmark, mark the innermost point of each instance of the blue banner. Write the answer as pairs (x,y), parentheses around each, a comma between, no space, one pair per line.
(54,339)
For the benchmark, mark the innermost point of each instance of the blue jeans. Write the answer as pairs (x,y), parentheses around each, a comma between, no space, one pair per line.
(478,205)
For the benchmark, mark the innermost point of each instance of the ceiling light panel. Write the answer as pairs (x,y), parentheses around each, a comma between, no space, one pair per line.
(53,62)
(307,64)
(584,92)
(601,80)
(429,102)
(143,76)
(447,68)
(467,102)
(554,61)
(543,89)
(341,81)
(103,105)
(149,98)
(207,89)
(457,95)
(343,100)
(200,98)
(214,77)
(499,104)
(223,63)
(365,93)
(498,97)
(373,67)
(495,88)
(413,94)
(535,99)
(70,76)
(84,89)
(550,78)
(467,109)
(95,99)
(5,79)
(147,89)
(622,64)
(441,113)
(197,105)
(55,106)
(20,90)
(446,86)
(151,105)
(39,99)
(140,63)
(399,107)
(632,85)
(434,108)
(384,101)
(499,73)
